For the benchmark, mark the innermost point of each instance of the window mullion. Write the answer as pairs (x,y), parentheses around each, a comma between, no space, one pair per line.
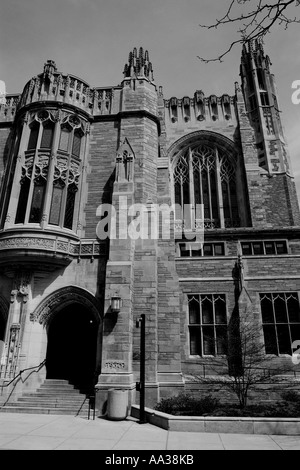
(70,143)
(201,327)
(229,201)
(35,160)
(209,193)
(214,325)
(16,186)
(200,183)
(275,324)
(181,197)
(219,189)
(49,185)
(191,189)
(288,320)
(78,209)
(64,199)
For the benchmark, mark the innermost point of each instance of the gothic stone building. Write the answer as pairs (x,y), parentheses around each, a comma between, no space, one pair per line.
(65,150)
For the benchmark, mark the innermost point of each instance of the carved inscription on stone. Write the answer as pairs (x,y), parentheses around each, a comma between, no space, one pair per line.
(114,365)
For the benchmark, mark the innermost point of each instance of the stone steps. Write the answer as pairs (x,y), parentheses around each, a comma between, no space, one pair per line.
(52,397)
(57,403)
(43,410)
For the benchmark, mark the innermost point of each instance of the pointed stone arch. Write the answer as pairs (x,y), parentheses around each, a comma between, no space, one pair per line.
(61,298)
(207,169)
(207,138)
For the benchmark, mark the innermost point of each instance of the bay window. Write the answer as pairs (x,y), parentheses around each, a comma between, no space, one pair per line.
(50,170)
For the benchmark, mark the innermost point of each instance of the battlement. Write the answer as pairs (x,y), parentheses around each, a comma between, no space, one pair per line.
(200,108)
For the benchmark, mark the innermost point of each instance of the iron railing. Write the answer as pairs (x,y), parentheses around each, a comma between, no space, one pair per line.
(19,377)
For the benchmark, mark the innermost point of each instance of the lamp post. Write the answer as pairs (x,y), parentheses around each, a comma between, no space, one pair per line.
(140,386)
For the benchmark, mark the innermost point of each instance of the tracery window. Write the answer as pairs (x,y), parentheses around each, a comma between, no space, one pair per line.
(50,170)
(206,175)
(281,321)
(207,324)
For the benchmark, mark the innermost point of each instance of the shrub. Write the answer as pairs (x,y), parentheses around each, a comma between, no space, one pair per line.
(291,395)
(206,405)
(186,404)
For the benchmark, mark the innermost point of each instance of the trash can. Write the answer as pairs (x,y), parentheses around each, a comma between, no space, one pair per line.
(117,404)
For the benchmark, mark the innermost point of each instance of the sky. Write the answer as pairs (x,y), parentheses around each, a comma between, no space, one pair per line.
(92,39)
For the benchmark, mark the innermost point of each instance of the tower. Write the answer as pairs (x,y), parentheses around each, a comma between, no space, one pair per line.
(262,107)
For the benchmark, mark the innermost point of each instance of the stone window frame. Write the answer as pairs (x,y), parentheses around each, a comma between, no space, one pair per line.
(263,246)
(199,327)
(221,171)
(199,248)
(278,348)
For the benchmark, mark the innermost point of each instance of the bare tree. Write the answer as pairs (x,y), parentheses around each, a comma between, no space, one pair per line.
(255,19)
(247,362)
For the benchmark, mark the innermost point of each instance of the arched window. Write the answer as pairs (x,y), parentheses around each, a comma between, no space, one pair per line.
(66,176)
(23,198)
(64,139)
(37,200)
(206,175)
(76,143)
(33,137)
(65,187)
(47,135)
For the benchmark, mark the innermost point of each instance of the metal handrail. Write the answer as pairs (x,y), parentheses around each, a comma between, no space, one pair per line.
(19,376)
(91,398)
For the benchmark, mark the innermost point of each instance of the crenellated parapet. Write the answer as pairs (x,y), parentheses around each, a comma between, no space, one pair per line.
(200,108)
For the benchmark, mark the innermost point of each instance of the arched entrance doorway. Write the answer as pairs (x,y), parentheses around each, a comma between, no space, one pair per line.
(72,346)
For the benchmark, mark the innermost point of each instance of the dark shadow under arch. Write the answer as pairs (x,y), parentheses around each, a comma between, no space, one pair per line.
(72,346)
(74,331)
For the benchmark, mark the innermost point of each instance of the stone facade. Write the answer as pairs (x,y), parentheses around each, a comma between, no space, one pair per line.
(68,152)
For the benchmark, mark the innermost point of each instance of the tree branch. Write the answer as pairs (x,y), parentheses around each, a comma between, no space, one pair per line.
(255,23)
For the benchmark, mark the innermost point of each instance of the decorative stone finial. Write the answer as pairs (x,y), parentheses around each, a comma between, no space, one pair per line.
(49,68)
(139,65)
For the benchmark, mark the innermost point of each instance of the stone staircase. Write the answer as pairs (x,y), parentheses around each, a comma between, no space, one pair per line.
(52,397)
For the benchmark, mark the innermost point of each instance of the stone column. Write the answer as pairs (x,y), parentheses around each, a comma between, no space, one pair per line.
(15,325)
(116,370)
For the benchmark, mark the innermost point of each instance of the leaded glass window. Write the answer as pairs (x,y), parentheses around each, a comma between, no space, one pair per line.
(207,324)
(281,321)
(54,201)
(47,135)
(206,175)
(33,137)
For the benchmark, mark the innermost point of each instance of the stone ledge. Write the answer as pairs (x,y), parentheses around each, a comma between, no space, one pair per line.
(283,426)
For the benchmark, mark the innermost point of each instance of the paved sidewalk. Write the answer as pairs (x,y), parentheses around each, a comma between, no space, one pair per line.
(60,432)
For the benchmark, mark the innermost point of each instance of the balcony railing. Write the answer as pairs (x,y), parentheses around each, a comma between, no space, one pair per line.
(54,244)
